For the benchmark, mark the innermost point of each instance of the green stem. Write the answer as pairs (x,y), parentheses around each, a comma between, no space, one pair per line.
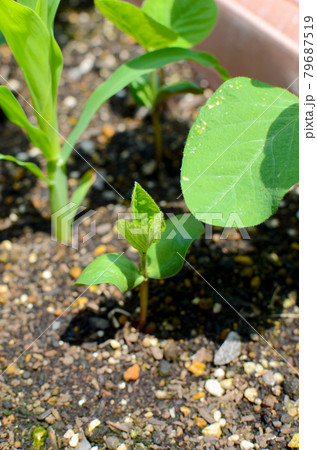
(144,293)
(58,190)
(156,122)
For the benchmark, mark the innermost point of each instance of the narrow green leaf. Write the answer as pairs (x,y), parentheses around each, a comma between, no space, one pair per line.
(181,87)
(191,20)
(85,183)
(129,72)
(29,3)
(38,56)
(241,155)
(112,268)
(163,258)
(28,165)
(12,109)
(142,92)
(132,20)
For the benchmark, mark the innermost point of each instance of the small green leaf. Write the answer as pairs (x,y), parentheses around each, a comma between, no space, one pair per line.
(163,258)
(241,155)
(112,268)
(181,87)
(132,20)
(135,234)
(146,213)
(142,92)
(12,109)
(147,221)
(28,165)
(191,20)
(129,72)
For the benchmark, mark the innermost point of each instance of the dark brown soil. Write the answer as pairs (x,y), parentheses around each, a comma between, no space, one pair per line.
(68,357)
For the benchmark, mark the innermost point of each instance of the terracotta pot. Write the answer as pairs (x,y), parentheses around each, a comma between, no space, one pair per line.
(258,39)
(255,38)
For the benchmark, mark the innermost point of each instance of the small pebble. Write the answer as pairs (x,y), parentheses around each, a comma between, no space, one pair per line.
(246,445)
(219,373)
(93,424)
(229,350)
(227,383)
(164,368)
(249,367)
(157,353)
(294,443)
(46,275)
(214,387)
(233,438)
(212,430)
(251,394)
(268,378)
(132,373)
(74,440)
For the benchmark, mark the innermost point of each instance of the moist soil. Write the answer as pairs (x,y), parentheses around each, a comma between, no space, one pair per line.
(66,349)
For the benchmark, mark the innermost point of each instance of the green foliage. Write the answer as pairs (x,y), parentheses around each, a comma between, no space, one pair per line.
(27,26)
(132,20)
(162,247)
(241,155)
(192,21)
(113,268)
(160,24)
(126,74)
(165,258)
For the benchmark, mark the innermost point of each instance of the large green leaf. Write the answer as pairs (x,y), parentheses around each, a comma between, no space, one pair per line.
(241,155)
(182,87)
(28,165)
(12,109)
(112,268)
(38,56)
(133,21)
(163,257)
(191,20)
(129,72)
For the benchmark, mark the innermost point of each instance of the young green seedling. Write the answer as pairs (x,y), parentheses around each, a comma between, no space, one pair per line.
(160,24)
(28,29)
(161,246)
(241,155)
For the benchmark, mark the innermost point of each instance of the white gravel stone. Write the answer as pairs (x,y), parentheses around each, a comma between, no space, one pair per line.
(249,367)
(69,434)
(233,438)
(217,415)
(114,344)
(246,445)
(93,424)
(278,377)
(251,394)
(214,387)
(219,373)
(74,440)
(212,430)
(46,275)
